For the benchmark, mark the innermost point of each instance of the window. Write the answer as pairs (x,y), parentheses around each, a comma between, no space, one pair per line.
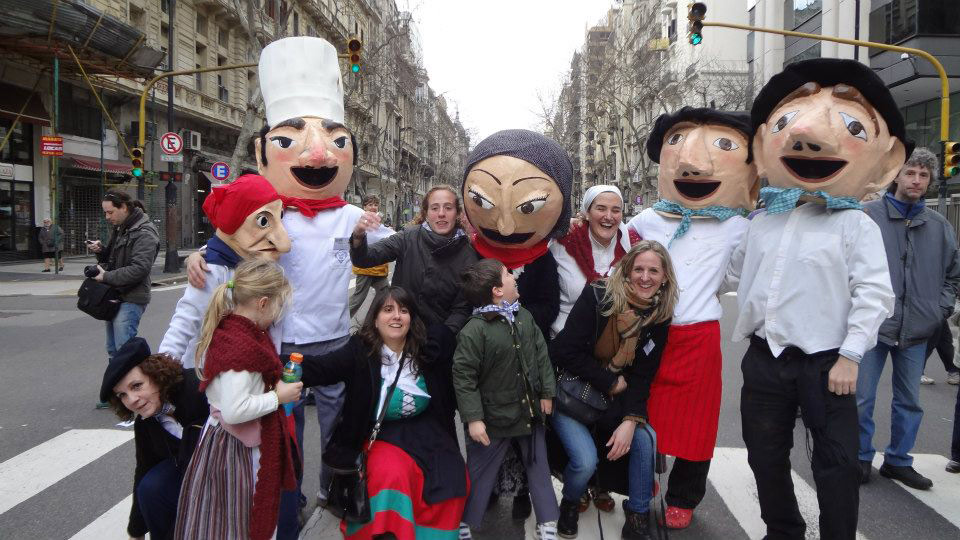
(138,18)
(164,32)
(804,10)
(165,6)
(201,25)
(810,52)
(296,23)
(222,93)
(223,37)
(672,30)
(19,148)
(899,20)
(201,63)
(271,8)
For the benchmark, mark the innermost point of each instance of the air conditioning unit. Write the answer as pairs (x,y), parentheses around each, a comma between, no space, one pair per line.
(191,140)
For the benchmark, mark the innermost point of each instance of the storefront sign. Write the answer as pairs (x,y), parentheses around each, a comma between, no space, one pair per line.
(173,159)
(6,170)
(51,146)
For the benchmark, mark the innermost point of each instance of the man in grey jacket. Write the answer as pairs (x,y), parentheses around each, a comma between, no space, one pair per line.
(925,272)
(125,263)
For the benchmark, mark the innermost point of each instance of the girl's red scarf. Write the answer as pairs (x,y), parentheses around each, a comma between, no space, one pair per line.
(238,344)
(578,245)
(310,207)
(511,258)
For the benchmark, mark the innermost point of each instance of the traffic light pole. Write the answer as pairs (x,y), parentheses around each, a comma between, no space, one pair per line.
(171,262)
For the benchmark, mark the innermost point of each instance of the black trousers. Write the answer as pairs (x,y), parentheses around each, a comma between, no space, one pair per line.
(772,390)
(688,483)
(942,342)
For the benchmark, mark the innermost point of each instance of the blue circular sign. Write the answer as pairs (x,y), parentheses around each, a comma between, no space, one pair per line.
(220,170)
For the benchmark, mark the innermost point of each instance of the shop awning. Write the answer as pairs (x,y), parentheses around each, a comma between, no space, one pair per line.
(12,99)
(93,164)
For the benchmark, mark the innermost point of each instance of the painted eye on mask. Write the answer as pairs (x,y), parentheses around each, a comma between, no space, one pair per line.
(480,200)
(725,144)
(532,206)
(783,121)
(262,220)
(281,142)
(675,138)
(341,142)
(854,126)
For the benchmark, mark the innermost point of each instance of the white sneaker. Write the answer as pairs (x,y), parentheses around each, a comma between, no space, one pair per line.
(926,380)
(465,532)
(547,531)
(954,378)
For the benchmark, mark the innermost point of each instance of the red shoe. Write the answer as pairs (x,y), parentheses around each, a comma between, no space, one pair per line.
(678,518)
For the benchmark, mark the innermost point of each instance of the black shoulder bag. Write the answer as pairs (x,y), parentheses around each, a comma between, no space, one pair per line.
(99,300)
(348,495)
(577,398)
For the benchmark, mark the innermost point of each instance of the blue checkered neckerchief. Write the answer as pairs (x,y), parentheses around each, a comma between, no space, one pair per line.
(780,200)
(720,212)
(509,311)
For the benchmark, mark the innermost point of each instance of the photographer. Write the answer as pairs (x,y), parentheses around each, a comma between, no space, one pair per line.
(125,263)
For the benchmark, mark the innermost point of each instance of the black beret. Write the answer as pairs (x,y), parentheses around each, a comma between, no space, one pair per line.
(737,120)
(129,356)
(831,72)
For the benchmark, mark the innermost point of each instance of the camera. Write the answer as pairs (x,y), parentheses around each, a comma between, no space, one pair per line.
(91,271)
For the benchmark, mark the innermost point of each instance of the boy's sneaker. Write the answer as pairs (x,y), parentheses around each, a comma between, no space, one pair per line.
(954,378)
(636,526)
(465,532)
(569,515)
(547,531)
(906,475)
(926,380)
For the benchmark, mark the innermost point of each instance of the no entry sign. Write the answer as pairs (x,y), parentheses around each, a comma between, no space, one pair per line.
(171,143)
(220,171)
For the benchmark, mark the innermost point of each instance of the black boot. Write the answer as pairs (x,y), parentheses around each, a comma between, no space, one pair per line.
(521,506)
(637,526)
(569,515)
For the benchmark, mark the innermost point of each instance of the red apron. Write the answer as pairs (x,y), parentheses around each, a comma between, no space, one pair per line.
(684,404)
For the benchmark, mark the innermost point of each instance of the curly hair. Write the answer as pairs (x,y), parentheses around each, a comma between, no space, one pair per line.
(164,371)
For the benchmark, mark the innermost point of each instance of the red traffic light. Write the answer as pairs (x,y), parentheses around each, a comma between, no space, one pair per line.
(166,176)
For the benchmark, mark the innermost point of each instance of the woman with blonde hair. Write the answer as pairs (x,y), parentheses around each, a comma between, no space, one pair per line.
(232,486)
(610,346)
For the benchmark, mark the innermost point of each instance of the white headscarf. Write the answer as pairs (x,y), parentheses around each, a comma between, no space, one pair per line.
(592,193)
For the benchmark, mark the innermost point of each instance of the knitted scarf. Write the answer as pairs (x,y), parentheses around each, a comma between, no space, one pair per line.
(511,258)
(578,245)
(238,344)
(310,207)
(617,344)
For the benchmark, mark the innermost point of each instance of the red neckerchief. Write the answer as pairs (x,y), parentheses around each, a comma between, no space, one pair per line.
(511,258)
(578,245)
(310,207)
(238,344)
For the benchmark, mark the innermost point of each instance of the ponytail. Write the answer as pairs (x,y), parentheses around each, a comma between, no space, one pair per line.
(220,306)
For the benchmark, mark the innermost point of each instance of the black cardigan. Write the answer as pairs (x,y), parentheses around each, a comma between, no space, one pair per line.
(430,438)
(539,288)
(153,443)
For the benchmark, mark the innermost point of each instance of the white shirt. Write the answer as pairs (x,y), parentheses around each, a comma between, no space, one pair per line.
(240,396)
(812,278)
(318,267)
(573,280)
(699,258)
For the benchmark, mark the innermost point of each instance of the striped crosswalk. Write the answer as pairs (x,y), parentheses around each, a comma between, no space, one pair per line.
(35,472)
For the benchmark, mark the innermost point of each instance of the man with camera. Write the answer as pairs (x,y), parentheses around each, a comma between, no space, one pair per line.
(125,263)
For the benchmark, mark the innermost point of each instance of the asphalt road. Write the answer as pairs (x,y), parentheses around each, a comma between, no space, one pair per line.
(53,358)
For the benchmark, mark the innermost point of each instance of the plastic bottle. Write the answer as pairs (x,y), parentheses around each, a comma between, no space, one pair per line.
(292,372)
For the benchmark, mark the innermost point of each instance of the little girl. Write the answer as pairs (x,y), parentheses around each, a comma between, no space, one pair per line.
(231,488)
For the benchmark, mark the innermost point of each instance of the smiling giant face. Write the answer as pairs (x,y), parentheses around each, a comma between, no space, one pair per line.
(511,202)
(828,139)
(705,165)
(308,158)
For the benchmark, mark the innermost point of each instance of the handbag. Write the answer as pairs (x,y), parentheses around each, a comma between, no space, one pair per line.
(579,400)
(99,300)
(348,494)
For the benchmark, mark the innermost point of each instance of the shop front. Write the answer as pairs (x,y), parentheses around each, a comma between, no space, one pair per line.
(18,230)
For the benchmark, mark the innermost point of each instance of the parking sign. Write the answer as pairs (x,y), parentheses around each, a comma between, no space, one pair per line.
(220,171)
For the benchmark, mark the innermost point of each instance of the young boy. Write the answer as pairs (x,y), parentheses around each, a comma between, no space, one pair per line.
(505,387)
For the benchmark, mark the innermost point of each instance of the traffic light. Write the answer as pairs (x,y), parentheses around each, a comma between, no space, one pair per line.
(137,159)
(353,49)
(698,10)
(951,159)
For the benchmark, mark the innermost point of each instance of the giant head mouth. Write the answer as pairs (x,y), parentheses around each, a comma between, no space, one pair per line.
(813,170)
(314,177)
(515,238)
(696,190)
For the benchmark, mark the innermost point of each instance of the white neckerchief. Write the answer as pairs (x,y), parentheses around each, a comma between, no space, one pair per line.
(169,423)
(390,362)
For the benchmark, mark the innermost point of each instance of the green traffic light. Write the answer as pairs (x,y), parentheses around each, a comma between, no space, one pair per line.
(355,68)
(138,172)
(696,39)
(953,171)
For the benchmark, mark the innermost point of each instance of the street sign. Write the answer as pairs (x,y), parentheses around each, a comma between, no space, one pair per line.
(51,145)
(171,143)
(173,159)
(220,171)
(639,199)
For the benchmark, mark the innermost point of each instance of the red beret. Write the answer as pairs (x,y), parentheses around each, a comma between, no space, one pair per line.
(227,206)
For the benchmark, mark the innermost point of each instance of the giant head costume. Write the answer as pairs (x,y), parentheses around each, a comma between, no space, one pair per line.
(247,214)
(828,125)
(305,150)
(516,193)
(704,157)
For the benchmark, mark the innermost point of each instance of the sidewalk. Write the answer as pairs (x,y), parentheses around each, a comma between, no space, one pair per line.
(25,277)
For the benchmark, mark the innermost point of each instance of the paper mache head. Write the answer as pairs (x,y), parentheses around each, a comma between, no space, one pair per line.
(516,189)
(305,150)
(828,124)
(247,214)
(704,157)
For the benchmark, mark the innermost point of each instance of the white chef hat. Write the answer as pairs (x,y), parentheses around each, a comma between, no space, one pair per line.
(300,76)
(592,193)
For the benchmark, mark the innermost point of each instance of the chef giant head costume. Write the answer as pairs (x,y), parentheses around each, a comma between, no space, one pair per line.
(704,157)
(305,150)
(828,125)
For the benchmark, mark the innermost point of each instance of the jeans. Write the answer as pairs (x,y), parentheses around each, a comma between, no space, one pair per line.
(157,494)
(906,411)
(583,459)
(123,326)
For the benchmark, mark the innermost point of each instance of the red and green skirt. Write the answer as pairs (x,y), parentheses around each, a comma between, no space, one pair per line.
(395,486)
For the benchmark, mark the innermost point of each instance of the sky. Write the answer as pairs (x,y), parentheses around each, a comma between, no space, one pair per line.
(491,57)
